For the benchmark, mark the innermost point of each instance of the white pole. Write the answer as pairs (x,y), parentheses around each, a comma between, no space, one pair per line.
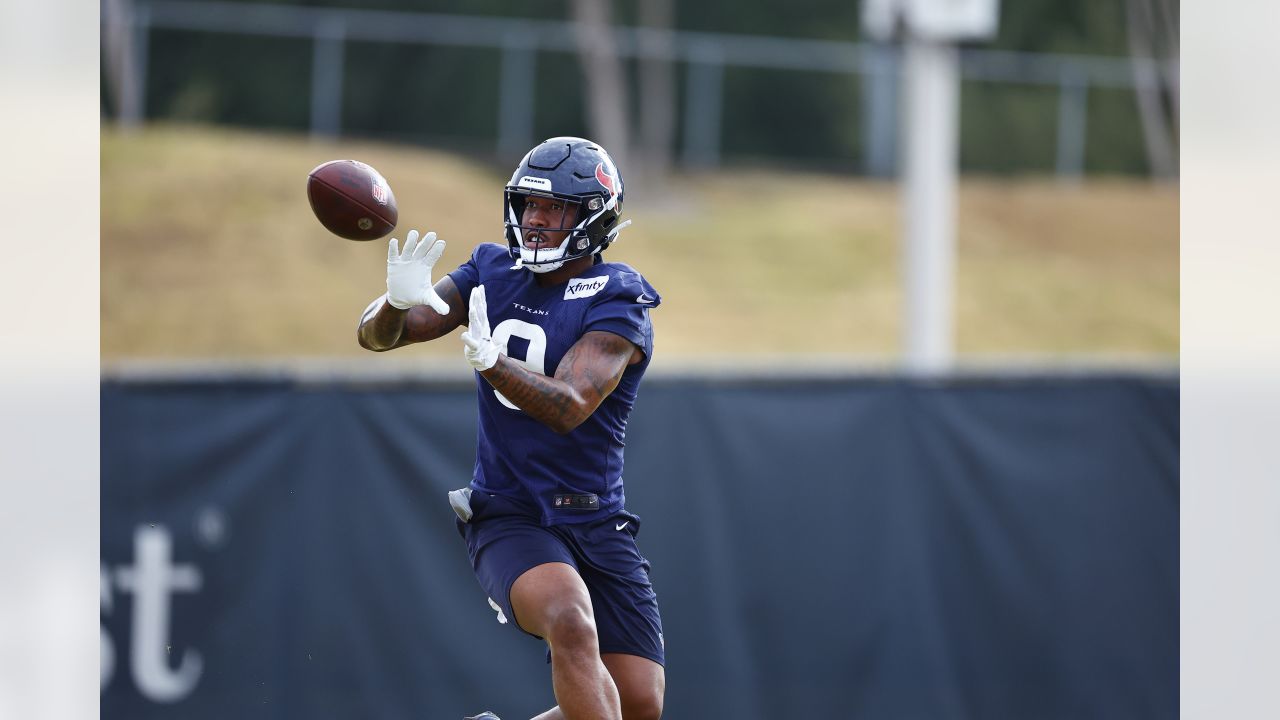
(931,77)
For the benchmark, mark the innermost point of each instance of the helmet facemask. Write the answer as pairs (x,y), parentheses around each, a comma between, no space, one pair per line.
(578,223)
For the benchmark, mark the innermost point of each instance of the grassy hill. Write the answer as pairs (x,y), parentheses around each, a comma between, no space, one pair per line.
(209,250)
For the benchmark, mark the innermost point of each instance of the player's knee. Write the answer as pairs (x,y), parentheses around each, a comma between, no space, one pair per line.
(572,629)
(641,703)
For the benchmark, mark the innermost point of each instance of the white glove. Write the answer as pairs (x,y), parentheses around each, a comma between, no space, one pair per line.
(478,347)
(409,272)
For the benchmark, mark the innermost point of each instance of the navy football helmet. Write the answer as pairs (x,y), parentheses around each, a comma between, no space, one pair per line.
(582,175)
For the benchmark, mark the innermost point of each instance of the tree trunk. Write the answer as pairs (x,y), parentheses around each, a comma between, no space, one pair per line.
(1154,49)
(657,91)
(1168,29)
(605,84)
(117,55)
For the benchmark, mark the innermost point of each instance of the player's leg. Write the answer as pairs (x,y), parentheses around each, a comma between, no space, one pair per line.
(625,607)
(552,602)
(641,685)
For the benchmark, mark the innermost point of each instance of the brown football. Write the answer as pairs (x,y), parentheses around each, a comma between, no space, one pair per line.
(352,200)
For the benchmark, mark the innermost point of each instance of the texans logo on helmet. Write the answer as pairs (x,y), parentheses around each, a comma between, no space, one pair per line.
(606,179)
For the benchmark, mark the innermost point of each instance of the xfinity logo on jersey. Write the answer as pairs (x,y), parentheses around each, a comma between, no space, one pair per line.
(584,287)
(161,672)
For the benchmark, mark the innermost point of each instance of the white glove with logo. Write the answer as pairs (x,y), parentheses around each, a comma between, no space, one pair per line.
(478,347)
(409,272)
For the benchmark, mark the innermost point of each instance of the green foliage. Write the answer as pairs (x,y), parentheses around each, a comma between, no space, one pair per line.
(229,79)
(1090,27)
(805,117)
(1007,128)
(561,106)
(447,96)
(1115,134)
(420,93)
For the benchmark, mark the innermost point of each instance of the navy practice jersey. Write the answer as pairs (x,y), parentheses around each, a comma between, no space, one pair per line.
(517,456)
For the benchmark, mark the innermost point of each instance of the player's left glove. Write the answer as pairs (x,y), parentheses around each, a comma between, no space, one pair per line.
(478,345)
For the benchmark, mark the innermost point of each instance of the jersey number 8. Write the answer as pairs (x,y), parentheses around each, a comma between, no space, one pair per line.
(535,358)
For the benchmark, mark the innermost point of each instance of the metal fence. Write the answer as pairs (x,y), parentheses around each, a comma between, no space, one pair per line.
(705,56)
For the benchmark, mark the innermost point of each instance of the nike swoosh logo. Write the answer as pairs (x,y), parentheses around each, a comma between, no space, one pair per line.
(643,300)
(622,525)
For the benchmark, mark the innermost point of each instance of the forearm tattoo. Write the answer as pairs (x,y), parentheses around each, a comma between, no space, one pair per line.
(587,373)
(384,327)
(426,324)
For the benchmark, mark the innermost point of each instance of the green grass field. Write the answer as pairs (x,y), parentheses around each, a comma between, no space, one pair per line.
(209,250)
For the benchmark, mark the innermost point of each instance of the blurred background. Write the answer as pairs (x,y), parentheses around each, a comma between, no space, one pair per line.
(909,443)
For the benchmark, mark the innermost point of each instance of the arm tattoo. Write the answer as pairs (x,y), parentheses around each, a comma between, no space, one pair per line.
(381,327)
(426,324)
(385,328)
(589,371)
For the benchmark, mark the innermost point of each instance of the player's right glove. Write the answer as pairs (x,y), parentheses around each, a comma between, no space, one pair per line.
(477,342)
(409,272)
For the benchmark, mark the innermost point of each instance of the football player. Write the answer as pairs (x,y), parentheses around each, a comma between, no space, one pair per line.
(559,340)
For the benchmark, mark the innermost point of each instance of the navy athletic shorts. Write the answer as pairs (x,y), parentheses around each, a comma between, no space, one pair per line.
(504,542)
